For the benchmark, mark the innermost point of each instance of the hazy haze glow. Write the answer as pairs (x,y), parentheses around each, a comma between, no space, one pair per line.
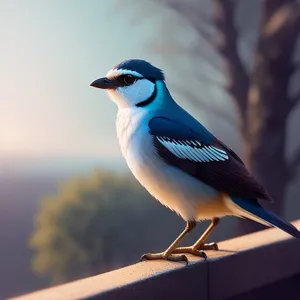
(51,52)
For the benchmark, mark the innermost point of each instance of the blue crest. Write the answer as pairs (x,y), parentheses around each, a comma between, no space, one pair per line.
(143,67)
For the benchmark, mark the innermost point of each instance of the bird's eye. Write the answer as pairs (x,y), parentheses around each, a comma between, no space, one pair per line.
(129,79)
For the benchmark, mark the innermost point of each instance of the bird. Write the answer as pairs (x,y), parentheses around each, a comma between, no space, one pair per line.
(180,162)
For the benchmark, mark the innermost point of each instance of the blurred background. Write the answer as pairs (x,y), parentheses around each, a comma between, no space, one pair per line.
(69,208)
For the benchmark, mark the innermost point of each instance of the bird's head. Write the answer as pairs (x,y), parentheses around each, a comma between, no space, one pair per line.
(132,83)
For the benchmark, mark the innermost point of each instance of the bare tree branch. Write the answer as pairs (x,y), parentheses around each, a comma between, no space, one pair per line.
(226,44)
(294,165)
(207,56)
(194,15)
(171,47)
(188,8)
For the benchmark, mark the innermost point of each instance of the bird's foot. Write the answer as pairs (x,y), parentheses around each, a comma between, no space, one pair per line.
(210,246)
(190,250)
(165,256)
(197,251)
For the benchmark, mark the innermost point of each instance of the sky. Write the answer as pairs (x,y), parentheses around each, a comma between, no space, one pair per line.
(52,50)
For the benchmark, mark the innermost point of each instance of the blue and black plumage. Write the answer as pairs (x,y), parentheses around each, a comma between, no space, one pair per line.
(228,175)
(177,159)
(142,67)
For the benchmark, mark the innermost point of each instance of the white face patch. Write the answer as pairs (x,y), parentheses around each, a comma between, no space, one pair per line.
(133,94)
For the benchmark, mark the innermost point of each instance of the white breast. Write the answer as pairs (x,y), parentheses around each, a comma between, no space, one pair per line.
(172,187)
(128,121)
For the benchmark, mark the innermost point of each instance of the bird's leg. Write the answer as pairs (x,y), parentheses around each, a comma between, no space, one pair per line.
(168,254)
(200,244)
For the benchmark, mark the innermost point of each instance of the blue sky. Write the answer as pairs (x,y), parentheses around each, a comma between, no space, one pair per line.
(52,50)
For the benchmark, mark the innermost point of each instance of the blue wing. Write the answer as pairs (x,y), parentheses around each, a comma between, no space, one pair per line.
(204,157)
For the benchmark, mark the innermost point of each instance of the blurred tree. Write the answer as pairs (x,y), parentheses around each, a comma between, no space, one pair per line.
(260,86)
(95,224)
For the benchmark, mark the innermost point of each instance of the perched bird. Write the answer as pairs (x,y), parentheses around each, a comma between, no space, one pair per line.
(178,161)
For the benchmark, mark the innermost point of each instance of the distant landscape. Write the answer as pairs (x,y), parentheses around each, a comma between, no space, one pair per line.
(23,183)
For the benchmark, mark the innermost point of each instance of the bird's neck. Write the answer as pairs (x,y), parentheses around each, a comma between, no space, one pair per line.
(129,119)
(163,97)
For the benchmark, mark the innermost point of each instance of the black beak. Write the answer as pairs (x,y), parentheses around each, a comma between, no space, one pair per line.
(103,83)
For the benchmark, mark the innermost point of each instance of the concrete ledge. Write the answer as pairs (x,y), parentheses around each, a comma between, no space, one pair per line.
(243,265)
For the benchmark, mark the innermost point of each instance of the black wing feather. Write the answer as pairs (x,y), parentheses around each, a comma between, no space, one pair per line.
(230,176)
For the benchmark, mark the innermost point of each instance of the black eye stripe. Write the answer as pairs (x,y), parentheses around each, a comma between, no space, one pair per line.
(120,80)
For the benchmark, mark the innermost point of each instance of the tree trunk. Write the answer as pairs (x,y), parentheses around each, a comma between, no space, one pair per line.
(269,102)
